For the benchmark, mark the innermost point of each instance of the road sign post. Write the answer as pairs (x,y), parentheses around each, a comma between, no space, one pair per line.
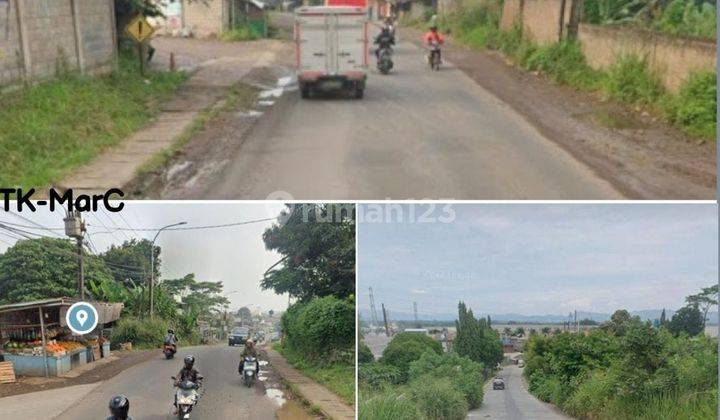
(140,30)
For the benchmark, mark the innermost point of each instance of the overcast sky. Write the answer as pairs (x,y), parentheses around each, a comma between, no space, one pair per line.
(236,255)
(538,259)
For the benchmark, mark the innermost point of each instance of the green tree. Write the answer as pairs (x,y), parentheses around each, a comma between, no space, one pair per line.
(130,262)
(704,300)
(317,244)
(475,339)
(405,348)
(689,320)
(45,268)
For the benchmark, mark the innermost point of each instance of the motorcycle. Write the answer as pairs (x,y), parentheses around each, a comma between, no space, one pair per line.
(434,56)
(186,397)
(384,60)
(169,351)
(249,371)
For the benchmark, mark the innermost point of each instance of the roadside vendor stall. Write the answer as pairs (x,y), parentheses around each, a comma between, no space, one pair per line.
(36,339)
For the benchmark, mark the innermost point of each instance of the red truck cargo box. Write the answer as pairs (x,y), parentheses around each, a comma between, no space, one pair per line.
(354,3)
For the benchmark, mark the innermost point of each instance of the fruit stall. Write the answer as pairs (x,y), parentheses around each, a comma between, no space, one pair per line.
(36,340)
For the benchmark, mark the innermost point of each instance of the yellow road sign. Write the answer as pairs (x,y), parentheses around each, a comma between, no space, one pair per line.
(139,29)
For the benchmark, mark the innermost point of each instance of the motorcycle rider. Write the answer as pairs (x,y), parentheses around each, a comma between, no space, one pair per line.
(171,339)
(433,36)
(248,351)
(187,373)
(385,39)
(119,407)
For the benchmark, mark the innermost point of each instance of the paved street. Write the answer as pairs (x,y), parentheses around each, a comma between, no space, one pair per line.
(417,134)
(149,388)
(515,402)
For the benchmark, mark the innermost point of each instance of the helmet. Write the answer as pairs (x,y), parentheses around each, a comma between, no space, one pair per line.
(119,406)
(249,342)
(433,27)
(189,361)
(170,331)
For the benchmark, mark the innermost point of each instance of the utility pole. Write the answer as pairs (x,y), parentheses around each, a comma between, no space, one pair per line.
(75,228)
(417,322)
(152,267)
(387,330)
(373,312)
(577,325)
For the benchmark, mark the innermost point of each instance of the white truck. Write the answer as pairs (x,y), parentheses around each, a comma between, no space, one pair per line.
(331,49)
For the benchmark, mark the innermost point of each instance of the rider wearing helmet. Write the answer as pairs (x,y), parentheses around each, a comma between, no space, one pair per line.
(434,37)
(248,351)
(119,408)
(187,373)
(385,39)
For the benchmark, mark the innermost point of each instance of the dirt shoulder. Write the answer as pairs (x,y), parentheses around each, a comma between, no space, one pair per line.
(643,157)
(125,359)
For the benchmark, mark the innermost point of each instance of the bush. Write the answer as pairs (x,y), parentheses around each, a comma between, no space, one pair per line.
(388,406)
(323,329)
(695,106)
(630,80)
(564,62)
(592,395)
(407,347)
(378,374)
(142,333)
(365,355)
(437,399)
(465,375)
(241,33)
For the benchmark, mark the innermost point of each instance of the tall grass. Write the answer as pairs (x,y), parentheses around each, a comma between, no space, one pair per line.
(388,405)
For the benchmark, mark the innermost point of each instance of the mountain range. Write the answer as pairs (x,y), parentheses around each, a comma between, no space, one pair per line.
(648,314)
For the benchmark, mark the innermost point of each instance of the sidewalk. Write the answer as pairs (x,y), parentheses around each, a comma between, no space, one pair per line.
(330,404)
(37,405)
(218,66)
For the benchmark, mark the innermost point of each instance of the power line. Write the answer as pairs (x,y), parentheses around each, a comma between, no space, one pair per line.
(35,223)
(200,227)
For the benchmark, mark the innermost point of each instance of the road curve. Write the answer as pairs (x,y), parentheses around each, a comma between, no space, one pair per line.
(417,134)
(149,388)
(515,402)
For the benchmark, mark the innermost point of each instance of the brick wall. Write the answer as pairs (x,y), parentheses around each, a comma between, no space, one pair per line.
(205,18)
(38,36)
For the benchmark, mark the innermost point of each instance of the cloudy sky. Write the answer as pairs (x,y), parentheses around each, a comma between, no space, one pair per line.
(538,259)
(236,255)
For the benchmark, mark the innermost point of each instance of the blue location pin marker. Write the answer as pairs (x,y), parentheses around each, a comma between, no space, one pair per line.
(81,318)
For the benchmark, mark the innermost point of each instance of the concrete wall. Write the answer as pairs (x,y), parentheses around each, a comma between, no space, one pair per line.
(511,14)
(673,58)
(38,36)
(541,19)
(205,19)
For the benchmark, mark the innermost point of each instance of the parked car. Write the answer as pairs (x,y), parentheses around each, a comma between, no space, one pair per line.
(498,383)
(521,363)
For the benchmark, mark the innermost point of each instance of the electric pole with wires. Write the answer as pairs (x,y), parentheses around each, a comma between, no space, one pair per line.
(75,228)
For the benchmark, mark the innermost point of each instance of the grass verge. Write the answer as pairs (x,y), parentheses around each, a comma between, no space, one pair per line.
(338,378)
(629,80)
(52,127)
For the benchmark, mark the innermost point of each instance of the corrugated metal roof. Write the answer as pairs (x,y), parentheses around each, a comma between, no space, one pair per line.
(37,303)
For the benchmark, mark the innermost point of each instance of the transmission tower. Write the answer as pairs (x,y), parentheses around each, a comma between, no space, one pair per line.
(417,321)
(373,312)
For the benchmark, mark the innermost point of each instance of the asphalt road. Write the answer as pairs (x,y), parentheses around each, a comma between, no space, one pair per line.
(149,388)
(416,134)
(515,402)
